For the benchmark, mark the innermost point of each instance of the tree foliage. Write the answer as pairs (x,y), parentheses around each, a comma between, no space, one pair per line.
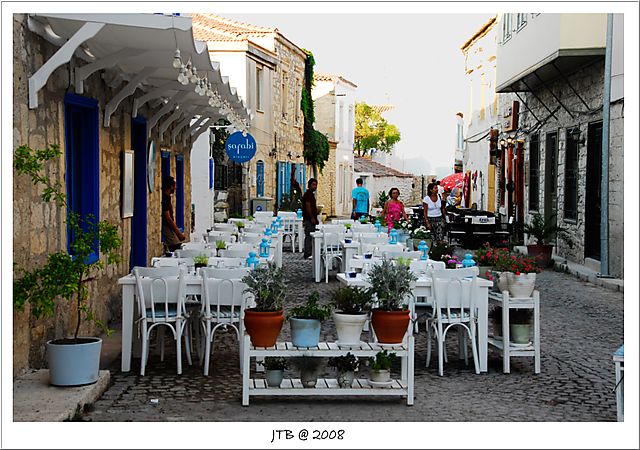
(373,132)
(316,145)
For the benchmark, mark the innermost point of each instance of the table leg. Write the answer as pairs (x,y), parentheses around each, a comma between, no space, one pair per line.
(483,327)
(300,237)
(536,331)
(316,258)
(127,326)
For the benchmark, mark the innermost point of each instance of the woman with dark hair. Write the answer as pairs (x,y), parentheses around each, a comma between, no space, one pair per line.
(434,212)
(393,209)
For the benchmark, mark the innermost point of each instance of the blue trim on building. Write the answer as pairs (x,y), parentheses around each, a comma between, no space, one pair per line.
(180,192)
(81,128)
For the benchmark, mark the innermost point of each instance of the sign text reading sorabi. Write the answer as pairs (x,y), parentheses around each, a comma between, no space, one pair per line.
(240,148)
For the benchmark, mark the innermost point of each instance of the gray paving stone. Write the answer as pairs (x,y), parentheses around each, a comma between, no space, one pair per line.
(581,326)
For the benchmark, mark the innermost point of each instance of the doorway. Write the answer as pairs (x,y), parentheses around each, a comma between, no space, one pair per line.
(139,220)
(593,192)
(551,178)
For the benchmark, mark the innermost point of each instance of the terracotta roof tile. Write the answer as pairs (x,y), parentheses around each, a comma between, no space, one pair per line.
(210,27)
(382,108)
(329,77)
(377,169)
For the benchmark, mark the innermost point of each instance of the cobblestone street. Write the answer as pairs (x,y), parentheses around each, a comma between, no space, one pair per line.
(581,326)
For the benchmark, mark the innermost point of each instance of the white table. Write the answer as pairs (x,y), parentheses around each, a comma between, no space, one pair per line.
(128,283)
(423,289)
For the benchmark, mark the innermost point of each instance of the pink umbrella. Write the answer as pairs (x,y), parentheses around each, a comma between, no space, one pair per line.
(451,181)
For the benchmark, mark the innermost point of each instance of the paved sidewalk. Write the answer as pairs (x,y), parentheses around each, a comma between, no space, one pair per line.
(581,326)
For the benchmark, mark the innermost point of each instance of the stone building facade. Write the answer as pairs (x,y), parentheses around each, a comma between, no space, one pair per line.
(39,227)
(378,177)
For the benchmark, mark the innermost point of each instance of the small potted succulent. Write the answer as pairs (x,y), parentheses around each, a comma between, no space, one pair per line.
(264,321)
(274,369)
(351,306)
(200,261)
(391,283)
(308,367)
(220,245)
(346,366)
(240,226)
(306,321)
(381,366)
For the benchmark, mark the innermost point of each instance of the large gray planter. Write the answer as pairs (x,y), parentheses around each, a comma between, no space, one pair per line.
(73,364)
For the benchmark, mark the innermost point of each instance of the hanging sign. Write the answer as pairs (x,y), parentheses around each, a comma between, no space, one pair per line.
(240,148)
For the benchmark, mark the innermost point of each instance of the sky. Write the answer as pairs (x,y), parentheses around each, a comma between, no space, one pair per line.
(412,61)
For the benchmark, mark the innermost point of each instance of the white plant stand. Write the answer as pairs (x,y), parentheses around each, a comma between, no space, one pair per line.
(328,386)
(533,348)
(618,359)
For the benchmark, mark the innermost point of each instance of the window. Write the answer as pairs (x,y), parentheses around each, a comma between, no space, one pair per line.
(259,88)
(165,164)
(297,105)
(180,192)
(534,173)
(506,27)
(459,136)
(521,21)
(211,173)
(220,181)
(340,132)
(260,179)
(351,124)
(285,94)
(571,177)
(83,160)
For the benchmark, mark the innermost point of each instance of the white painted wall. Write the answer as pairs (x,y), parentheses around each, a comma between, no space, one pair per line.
(542,36)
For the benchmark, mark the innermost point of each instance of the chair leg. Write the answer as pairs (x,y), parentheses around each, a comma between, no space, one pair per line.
(179,346)
(161,341)
(428,361)
(440,350)
(326,271)
(207,349)
(145,347)
(474,348)
(187,340)
(463,335)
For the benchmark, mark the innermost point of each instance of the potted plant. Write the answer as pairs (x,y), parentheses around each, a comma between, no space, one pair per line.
(346,366)
(220,245)
(264,321)
(418,234)
(520,325)
(308,367)
(240,226)
(306,321)
(404,228)
(502,262)
(351,305)
(72,360)
(439,249)
(200,261)
(483,258)
(381,366)
(541,229)
(522,276)
(451,261)
(274,369)
(391,283)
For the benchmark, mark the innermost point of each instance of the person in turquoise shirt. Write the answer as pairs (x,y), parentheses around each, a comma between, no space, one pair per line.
(360,197)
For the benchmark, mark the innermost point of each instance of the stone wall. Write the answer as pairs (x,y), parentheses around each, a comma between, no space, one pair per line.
(588,82)
(38,227)
(326,193)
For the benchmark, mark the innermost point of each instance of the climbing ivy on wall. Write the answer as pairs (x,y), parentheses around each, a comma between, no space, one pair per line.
(316,145)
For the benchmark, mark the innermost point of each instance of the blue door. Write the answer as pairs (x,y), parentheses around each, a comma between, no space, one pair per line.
(180,192)
(139,224)
(260,179)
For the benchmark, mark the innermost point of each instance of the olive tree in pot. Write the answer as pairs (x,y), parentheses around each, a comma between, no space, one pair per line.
(306,321)
(351,311)
(346,366)
(264,321)
(73,360)
(541,229)
(392,283)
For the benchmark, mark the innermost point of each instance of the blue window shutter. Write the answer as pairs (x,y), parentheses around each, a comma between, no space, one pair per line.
(83,161)
(260,179)
(180,192)
(279,180)
(210,173)
(304,177)
(287,178)
(165,164)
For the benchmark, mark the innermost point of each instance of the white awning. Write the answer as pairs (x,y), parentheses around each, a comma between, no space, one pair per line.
(141,49)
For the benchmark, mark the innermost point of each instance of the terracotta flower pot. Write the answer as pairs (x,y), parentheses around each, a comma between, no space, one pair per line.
(263,326)
(390,326)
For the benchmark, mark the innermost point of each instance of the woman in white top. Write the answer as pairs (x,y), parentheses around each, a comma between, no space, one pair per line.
(434,212)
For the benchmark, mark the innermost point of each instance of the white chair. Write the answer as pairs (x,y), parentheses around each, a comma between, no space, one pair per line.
(331,249)
(378,249)
(424,268)
(237,253)
(208,252)
(289,230)
(252,238)
(226,227)
(343,221)
(161,302)
(195,246)
(171,262)
(288,214)
(377,240)
(212,236)
(398,253)
(222,262)
(340,229)
(453,297)
(363,228)
(223,302)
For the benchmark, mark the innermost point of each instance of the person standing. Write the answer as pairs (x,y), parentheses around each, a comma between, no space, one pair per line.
(434,212)
(172,235)
(360,199)
(440,190)
(309,215)
(393,209)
